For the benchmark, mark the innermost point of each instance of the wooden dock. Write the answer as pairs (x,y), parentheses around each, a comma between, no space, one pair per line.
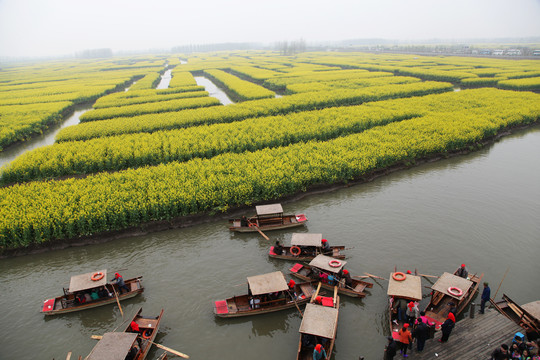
(471,338)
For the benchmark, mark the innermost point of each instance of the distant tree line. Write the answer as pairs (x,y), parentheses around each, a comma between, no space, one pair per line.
(191,48)
(95,53)
(291,48)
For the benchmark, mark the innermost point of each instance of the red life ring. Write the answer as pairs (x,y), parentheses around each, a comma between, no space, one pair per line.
(399,276)
(334,263)
(147,334)
(97,276)
(454,290)
(295,250)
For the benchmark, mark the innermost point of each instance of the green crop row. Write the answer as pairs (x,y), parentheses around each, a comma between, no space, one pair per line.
(38,212)
(238,89)
(149,81)
(148,108)
(107,101)
(255,108)
(521,84)
(350,84)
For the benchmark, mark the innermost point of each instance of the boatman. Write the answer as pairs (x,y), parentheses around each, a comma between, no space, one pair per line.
(278,249)
(462,271)
(325,246)
(120,282)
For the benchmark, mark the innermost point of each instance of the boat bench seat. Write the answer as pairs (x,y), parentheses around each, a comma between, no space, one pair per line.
(307,289)
(438,298)
(359,287)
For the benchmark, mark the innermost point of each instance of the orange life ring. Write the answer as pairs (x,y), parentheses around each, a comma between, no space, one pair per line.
(295,250)
(147,334)
(334,263)
(454,290)
(399,276)
(97,276)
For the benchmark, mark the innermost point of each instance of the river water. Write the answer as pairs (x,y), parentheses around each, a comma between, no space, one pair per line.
(213,90)
(481,209)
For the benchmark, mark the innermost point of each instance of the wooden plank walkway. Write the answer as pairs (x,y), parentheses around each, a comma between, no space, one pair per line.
(471,339)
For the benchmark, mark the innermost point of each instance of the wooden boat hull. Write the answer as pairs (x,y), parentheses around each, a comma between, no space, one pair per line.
(239,306)
(518,314)
(306,273)
(268,224)
(147,326)
(287,255)
(438,308)
(65,304)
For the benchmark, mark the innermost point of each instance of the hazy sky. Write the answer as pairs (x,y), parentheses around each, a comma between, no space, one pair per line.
(58,27)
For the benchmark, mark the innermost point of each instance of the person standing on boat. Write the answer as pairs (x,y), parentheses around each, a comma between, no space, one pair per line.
(319,353)
(278,249)
(120,282)
(405,338)
(462,271)
(486,294)
(390,349)
(447,326)
(244,221)
(412,312)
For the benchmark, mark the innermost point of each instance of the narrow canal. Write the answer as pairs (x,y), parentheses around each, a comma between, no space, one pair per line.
(213,90)
(479,209)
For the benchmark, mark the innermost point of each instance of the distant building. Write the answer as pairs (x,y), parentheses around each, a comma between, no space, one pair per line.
(536,52)
(513,52)
(485,52)
(498,52)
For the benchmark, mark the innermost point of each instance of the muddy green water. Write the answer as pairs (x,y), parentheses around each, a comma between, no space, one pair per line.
(482,209)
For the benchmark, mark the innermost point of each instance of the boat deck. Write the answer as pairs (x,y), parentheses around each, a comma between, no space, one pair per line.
(471,338)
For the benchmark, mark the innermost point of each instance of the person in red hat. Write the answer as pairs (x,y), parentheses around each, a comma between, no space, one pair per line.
(462,271)
(325,246)
(319,352)
(120,282)
(345,275)
(318,300)
(447,326)
(405,338)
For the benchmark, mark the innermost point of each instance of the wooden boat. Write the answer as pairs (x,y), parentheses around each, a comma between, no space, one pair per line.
(306,247)
(266,293)
(443,300)
(527,316)
(319,326)
(84,283)
(268,217)
(409,289)
(128,344)
(326,266)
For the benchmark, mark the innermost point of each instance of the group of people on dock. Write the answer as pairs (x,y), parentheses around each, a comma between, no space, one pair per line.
(519,349)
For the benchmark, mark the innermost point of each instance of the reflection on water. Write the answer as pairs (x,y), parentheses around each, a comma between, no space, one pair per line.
(213,90)
(480,209)
(165,80)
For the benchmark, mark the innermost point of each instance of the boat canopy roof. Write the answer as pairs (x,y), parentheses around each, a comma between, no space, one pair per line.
(113,346)
(306,239)
(533,308)
(323,262)
(263,210)
(410,288)
(319,321)
(448,280)
(85,282)
(267,283)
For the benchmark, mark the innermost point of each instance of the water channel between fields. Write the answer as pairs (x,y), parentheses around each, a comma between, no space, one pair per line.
(480,209)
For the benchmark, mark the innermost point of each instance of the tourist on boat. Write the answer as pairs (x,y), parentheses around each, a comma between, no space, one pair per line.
(390,349)
(501,353)
(447,326)
(412,312)
(87,296)
(421,334)
(134,327)
(120,282)
(401,306)
(94,294)
(278,249)
(103,293)
(79,298)
(318,300)
(325,247)
(308,341)
(319,352)
(405,338)
(424,319)
(462,271)
(486,294)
